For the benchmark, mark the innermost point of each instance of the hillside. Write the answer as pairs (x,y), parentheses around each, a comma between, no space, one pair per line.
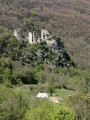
(68,19)
(44,59)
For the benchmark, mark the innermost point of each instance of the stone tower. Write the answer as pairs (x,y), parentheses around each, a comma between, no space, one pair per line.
(44,34)
(32,37)
(17,33)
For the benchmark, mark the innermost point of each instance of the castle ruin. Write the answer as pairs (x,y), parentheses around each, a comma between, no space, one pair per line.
(44,34)
(32,37)
(17,33)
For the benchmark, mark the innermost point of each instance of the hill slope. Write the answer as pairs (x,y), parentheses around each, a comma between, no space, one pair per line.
(69,19)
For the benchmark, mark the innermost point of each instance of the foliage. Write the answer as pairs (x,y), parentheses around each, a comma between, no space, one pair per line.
(21,62)
(33,12)
(34,54)
(49,111)
(12,105)
(30,77)
(70,25)
(81,104)
(51,89)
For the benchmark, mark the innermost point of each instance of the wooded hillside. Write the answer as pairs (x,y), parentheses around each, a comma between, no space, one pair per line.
(68,19)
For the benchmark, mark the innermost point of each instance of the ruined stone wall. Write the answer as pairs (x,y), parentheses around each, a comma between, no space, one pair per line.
(44,34)
(32,37)
(17,33)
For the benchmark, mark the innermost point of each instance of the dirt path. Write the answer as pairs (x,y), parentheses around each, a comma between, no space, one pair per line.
(54,99)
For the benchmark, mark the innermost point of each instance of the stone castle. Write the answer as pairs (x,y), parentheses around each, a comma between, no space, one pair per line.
(32,36)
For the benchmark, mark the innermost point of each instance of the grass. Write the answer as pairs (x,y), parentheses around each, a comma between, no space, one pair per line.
(29,91)
(63,93)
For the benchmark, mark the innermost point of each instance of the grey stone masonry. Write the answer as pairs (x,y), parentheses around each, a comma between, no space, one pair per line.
(32,37)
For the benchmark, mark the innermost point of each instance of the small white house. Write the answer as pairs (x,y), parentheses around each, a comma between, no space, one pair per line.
(42,95)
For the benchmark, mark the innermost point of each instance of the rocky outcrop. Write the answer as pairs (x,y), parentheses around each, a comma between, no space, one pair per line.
(55,54)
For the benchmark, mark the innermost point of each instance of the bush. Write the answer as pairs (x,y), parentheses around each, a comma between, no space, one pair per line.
(49,111)
(30,77)
(51,89)
(12,105)
(81,105)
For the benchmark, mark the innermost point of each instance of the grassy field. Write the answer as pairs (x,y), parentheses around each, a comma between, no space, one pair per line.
(30,91)
(63,93)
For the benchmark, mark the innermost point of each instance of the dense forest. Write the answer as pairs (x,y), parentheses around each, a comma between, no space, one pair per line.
(61,70)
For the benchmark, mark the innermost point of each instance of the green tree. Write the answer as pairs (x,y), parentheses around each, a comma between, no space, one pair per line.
(12,105)
(51,89)
(49,111)
(30,77)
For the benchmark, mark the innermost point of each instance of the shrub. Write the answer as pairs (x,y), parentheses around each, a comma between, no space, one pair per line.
(30,77)
(49,111)
(51,89)
(33,13)
(81,105)
(12,105)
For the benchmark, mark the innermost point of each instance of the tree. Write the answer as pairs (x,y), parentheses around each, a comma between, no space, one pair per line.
(30,77)
(12,104)
(51,89)
(49,111)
